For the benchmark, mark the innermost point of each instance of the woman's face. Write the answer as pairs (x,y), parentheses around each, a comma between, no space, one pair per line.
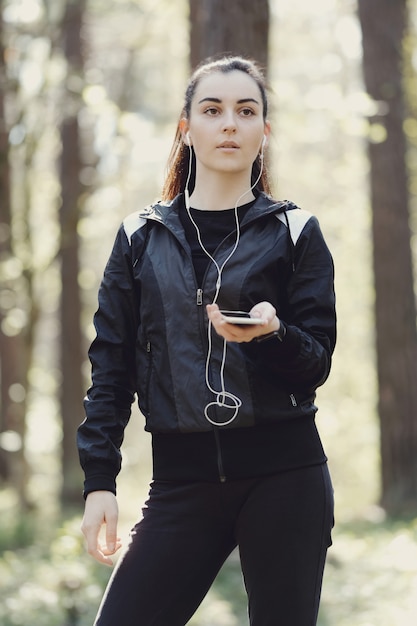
(226,125)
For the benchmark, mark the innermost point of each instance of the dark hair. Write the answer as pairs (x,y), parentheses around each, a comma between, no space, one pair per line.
(178,160)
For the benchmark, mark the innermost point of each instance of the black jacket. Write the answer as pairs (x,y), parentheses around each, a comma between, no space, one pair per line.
(152,327)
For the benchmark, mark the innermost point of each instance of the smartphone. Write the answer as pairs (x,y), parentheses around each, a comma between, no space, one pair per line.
(240,317)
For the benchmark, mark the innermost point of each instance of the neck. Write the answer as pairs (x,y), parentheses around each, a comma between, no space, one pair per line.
(221,192)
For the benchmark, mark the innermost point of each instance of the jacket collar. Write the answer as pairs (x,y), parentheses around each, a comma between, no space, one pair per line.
(167,213)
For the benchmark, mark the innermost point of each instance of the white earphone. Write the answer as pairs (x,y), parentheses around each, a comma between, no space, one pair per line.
(224,399)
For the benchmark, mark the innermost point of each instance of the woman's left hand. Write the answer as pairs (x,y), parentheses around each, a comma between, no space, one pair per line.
(240,332)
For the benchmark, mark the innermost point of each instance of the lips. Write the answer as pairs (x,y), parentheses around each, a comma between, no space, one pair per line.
(228,144)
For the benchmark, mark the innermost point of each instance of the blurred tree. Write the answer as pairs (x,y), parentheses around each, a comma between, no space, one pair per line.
(5,249)
(14,348)
(71,335)
(236,26)
(384,25)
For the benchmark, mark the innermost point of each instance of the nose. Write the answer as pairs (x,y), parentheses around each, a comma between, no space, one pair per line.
(229,122)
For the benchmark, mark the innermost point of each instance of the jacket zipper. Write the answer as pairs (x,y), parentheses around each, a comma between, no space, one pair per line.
(199,290)
(219,456)
(293,399)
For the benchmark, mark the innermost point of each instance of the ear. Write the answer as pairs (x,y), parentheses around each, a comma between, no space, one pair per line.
(185,132)
(267,132)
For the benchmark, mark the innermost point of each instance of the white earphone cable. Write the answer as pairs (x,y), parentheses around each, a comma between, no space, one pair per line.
(222,396)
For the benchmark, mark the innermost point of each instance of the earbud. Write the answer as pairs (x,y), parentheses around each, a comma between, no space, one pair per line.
(188,139)
(261,152)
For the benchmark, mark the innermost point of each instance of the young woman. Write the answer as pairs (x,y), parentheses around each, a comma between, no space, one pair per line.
(237,459)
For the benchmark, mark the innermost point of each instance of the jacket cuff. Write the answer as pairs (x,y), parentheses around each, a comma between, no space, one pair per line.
(96,480)
(289,345)
(275,334)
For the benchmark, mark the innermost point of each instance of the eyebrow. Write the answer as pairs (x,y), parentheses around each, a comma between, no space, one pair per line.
(241,101)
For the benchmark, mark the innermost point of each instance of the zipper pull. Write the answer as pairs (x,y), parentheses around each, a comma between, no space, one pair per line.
(199,297)
(293,400)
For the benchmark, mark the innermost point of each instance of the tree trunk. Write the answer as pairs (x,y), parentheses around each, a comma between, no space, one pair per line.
(236,27)
(383,25)
(5,254)
(14,351)
(71,334)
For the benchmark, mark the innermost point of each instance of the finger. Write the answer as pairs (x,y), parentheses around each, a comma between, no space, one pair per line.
(109,552)
(213,313)
(90,533)
(93,547)
(265,311)
(96,550)
(99,555)
(111,533)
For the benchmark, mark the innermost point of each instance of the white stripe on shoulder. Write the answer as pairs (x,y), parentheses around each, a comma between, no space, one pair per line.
(297,219)
(132,223)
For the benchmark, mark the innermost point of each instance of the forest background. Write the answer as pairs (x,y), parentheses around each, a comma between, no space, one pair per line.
(123,82)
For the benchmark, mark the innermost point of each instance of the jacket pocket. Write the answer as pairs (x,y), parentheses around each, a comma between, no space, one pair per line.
(148,373)
(144,373)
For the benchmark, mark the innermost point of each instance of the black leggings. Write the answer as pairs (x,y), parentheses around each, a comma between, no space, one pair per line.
(281,524)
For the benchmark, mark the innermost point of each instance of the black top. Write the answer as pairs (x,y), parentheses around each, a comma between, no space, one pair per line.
(214,226)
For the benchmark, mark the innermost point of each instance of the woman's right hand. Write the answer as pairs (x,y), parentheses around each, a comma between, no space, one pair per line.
(101,509)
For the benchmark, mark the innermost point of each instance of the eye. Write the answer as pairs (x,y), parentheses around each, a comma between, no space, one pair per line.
(211,111)
(247,112)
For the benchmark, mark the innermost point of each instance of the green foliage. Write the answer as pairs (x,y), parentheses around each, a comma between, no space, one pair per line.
(51,582)
(16,531)
(370,578)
